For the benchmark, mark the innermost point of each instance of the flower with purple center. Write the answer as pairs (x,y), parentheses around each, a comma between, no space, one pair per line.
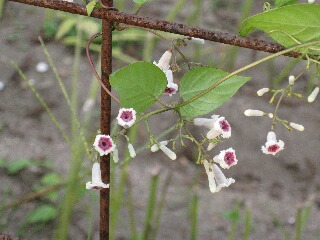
(96,183)
(217,125)
(216,178)
(272,145)
(104,144)
(226,158)
(171,88)
(126,117)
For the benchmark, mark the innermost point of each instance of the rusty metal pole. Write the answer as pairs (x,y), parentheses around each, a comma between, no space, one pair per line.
(105,120)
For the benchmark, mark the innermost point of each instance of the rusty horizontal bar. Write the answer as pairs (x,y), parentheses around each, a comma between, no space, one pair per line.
(172,27)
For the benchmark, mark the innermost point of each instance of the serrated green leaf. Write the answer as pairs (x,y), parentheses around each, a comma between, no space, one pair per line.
(19,165)
(280,3)
(141,2)
(288,25)
(41,214)
(90,6)
(65,27)
(139,85)
(201,78)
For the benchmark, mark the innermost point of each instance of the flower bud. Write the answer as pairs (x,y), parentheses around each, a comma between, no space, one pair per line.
(270,115)
(313,95)
(262,91)
(253,113)
(291,80)
(115,155)
(297,126)
(131,151)
(197,40)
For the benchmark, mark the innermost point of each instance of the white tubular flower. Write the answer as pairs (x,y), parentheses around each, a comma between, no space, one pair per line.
(211,180)
(197,40)
(311,1)
(291,80)
(171,88)
(217,125)
(216,177)
(253,113)
(104,144)
(164,149)
(262,91)
(297,126)
(164,61)
(211,145)
(313,95)
(132,152)
(155,147)
(96,183)
(272,145)
(226,158)
(126,117)
(115,155)
(222,181)
(168,152)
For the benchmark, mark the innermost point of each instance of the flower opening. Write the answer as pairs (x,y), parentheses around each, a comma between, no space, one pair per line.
(226,158)
(126,117)
(272,145)
(104,144)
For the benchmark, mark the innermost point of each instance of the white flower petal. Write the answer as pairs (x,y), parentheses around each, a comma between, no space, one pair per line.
(206,122)
(222,181)
(164,61)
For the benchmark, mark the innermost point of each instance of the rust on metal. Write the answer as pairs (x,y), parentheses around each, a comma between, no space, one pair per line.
(177,28)
(105,120)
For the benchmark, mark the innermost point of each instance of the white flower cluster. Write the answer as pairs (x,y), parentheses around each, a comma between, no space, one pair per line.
(104,145)
(219,127)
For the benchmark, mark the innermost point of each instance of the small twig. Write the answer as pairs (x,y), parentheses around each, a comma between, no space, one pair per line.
(94,69)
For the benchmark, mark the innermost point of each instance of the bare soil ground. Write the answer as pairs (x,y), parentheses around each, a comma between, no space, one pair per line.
(273,187)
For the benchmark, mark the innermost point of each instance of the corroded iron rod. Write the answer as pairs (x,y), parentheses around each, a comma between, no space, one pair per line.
(177,28)
(105,120)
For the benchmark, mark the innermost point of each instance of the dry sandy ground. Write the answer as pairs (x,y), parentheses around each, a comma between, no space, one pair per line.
(273,187)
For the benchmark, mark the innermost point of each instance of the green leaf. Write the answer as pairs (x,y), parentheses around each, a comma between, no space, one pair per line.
(19,165)
(141,2)
(139,85)
(50,179)
(41,214)
(288,25)
(201,78)
(90,6)
(280,3)
(65,27)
